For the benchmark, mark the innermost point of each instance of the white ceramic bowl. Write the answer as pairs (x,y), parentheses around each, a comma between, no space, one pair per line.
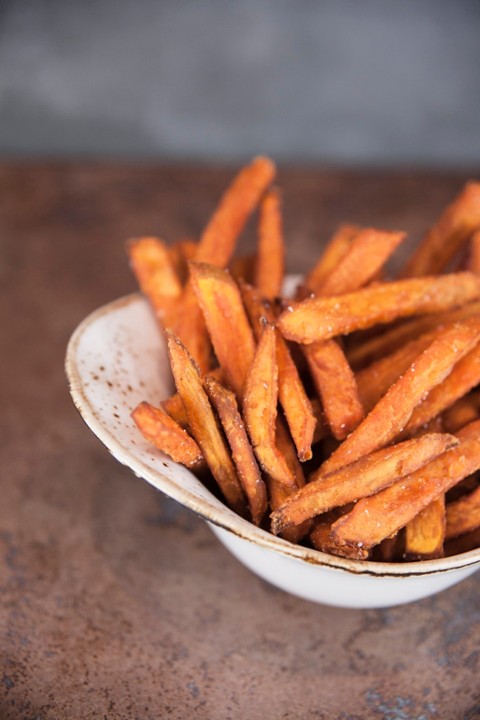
(116,358)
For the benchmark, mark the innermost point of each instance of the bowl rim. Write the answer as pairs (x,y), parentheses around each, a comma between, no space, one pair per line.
(223,516)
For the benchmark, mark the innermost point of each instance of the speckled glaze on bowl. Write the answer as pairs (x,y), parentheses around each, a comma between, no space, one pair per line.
(116,358)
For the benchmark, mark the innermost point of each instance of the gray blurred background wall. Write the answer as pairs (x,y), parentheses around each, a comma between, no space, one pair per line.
(346,81)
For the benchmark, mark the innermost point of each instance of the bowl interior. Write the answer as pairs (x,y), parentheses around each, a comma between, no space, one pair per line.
(115,359)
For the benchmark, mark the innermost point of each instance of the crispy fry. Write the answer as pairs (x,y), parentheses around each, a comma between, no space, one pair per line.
(189,326)
(465,410)
(181,252)
(227,323)
(203,424)
(291,391)
(379,516)
(242,268)
(174,407)
(336,386)
(260,409)
(464,376)
(393,411)
(334,251)
(425,533)
(249,473)
(393,338)
(322,318)
(155,273)
(217,242)
(473,262)
(367,253)
(454,227)
(374,380)
(321,537)
(270,265)
(463,515)
(363,477)
(463,543)
(163,432)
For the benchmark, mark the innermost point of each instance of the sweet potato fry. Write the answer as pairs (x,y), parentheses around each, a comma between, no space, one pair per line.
(463,543)
(188,324)
(465,410)
(322,318)
(321,537)
(336,385)
(155,273)
(242,268)
(473,262)
(381,515)
(163,432)
(260,409)
(248,471)
(425,533)
(334,251)
(454,227)
(174,407)
(393,411)
(270,265)
(393,338)
(364,258)
(203,423)
(231,335)
(463,515)
(363,477)
(181,252)
(217,242)
(464,376)
(291,391)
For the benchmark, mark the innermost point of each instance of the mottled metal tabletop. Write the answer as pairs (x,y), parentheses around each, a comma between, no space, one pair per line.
(114,601)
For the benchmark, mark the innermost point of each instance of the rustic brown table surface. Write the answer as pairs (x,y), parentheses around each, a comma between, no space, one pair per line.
(114,601)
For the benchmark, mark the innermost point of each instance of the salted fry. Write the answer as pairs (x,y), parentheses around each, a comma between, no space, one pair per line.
(248,471)
(155,273)
(189,326)
(393,411)
(218,240)
(270,265)
(333,253)
(464,411)
(203,424)
(393,338)
(291,391)
(464,376)
(322,318)
(174,407)
(336,386)
(381,515)
(163,432)
(231,335)
(463,515)
(425,533)
(360,479)
(453,229)
(260,409)
(242,268)
(463,543)
(368,252)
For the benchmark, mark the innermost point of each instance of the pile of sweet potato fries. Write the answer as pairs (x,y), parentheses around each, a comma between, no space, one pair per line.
(346,417)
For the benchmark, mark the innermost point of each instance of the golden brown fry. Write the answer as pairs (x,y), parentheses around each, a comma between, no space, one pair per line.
(463,515)
(336,385)
(393,338)
(393,411)
(465,410)
(291,391)
(242,268)
(334,251)
(155,273)
(163,432)
(463,543)
(181,252)
(174,407)
(260,409)
(425,533)
(321,537)
(322,318)
(464,376)
(363,477)
(189,326)
(231,335)
(473,262)
(375,379)
(365,257)
(381,515)
(270,265)
(454,227)
(217,242)
(203,423)
(249,473)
